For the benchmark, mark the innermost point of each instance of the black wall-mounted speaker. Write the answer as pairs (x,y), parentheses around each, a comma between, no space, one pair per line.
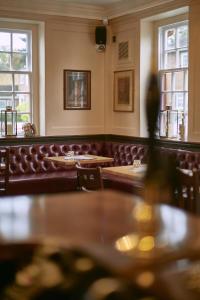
(100,35)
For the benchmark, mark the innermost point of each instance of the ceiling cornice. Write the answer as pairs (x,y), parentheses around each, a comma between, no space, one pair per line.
(129,7)
(63,8)
(57,7)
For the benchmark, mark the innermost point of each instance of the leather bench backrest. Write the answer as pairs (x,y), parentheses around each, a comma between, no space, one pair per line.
(29,159)
(124,154)
(184,159)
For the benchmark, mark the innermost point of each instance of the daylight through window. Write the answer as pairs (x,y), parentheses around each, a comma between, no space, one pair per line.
(173,71)
(16,73)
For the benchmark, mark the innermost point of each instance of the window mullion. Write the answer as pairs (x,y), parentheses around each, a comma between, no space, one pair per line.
(13,90)
(11,53)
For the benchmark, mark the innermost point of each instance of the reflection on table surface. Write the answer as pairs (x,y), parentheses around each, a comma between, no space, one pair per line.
(100,217)
(119,229)
(83,159)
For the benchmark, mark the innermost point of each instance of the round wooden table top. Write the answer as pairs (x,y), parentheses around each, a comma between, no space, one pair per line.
(99,218)
(119,229)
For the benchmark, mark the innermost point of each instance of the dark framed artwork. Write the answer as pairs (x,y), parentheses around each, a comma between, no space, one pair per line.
(77,89)
(124,91)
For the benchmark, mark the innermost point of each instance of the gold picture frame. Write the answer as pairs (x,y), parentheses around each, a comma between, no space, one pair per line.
(124,91)
(77,89)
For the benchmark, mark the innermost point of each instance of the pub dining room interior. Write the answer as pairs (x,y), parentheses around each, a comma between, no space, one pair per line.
(99,150)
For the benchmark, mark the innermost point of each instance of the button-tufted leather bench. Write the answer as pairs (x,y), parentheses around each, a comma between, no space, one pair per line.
(184,159)
(31,174)
(124,154)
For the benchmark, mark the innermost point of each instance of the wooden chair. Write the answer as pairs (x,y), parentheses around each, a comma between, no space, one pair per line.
(89,179)
(4,170)
(188,193)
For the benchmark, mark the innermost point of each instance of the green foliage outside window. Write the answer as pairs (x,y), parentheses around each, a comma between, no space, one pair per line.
(22,107)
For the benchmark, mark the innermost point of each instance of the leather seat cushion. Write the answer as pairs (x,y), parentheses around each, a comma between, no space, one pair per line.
(54,182)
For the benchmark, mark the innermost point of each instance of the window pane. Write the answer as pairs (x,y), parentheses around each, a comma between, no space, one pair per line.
(179,81)
(170,39)
(179,101)
(167,82)
(163,123)
(166,100)
(20,42)
(5,41)
(180,117)
(182,36)
(22,103)
(19,61)
(22,83)
(6,98)
(5,82)
(173,124)
(170,60)
(2,104)
(4,61)
(186,102)
(183,59)
(21,119)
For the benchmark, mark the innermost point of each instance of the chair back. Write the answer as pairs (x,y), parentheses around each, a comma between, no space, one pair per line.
(4,170)
(89,179)
(188,194)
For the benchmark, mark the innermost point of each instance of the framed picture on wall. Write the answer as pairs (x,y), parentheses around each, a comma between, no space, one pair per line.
(124,91)
(77,89)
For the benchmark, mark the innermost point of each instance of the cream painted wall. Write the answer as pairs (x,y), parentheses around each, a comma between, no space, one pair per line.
(71,46)
(137,29)
(124,123)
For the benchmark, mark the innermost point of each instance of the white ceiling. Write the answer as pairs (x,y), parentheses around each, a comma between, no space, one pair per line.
(90,9)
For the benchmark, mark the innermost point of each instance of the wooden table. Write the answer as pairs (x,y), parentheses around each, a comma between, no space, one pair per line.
(103,223)
(99,217)
(82,159)
(128,172)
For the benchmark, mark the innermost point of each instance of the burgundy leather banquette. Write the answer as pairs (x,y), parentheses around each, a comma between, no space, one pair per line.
(31,174)
(184,159)
(124,154)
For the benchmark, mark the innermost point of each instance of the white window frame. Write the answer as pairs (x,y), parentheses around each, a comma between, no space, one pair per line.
(163,70)
(28,71)
(37,29)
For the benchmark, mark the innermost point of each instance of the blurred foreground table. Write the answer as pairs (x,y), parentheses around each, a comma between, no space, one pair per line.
(108,225)
(92,218)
